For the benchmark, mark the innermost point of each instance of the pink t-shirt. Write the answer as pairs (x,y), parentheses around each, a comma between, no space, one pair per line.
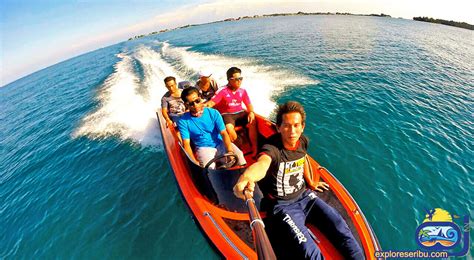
(228,101)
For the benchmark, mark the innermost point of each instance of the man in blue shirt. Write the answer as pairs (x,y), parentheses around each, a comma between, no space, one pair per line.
(205,127)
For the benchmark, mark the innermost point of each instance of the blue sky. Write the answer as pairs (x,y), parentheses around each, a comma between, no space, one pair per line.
(37,34)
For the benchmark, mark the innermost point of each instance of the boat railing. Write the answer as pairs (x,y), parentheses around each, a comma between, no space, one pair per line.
(357,209)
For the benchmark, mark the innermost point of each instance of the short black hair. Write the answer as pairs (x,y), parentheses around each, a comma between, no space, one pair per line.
(184,84)
(187,92)
(230,72)
(290,107)
(169,78)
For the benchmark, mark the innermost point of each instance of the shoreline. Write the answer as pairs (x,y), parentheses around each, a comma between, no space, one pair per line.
(255,17)
(463,25)
(445,22)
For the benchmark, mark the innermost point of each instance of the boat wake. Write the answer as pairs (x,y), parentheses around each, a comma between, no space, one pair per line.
(130,96)
(124,110)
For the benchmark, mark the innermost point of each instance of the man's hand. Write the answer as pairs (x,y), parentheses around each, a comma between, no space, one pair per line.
(321,186)
(252,174)
(251,117)
(209,103)
(242,184)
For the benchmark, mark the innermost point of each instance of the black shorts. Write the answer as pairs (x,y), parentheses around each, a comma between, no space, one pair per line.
(236,119)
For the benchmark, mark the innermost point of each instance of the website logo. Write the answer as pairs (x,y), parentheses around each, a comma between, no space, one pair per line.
(440,232)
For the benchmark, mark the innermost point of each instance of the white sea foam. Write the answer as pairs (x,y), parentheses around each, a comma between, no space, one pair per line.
(128,103)
(261,82)
(123,111)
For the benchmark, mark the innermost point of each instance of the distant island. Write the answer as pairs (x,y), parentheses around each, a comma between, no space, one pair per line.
(445,22)
(255,17)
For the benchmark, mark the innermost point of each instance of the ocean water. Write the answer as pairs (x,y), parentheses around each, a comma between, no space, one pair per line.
(83,173)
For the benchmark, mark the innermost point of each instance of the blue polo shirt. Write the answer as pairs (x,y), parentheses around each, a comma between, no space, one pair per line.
(203,131)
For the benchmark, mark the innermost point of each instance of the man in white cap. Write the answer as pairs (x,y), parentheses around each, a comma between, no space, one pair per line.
(206,85)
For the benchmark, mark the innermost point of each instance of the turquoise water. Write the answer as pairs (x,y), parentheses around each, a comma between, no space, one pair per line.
(83,173)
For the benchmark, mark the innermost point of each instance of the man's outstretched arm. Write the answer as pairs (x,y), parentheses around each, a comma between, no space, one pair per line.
(252,174)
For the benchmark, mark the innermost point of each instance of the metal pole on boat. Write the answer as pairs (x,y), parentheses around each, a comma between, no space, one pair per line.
(262,243)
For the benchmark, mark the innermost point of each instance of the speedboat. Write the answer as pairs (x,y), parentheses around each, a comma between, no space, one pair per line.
(224,219)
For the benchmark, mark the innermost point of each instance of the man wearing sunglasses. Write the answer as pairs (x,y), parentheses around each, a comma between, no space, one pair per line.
(205,127)
(229,100)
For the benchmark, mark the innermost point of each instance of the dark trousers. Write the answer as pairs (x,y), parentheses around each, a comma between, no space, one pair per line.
(291,239)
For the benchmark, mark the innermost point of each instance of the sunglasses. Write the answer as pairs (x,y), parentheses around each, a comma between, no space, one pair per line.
(195,102)
(239,78)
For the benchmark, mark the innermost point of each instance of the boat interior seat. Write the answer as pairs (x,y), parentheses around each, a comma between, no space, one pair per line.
(243,140)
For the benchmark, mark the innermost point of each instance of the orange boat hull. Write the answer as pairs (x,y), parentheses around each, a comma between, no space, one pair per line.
(228,230)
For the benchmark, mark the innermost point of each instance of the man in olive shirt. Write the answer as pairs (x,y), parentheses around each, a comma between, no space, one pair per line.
(172,106)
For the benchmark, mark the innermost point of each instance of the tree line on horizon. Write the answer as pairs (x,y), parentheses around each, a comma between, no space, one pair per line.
(257,16)
(420,18)
(445,22)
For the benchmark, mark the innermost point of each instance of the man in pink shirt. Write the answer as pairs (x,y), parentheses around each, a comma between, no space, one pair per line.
(229,102)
